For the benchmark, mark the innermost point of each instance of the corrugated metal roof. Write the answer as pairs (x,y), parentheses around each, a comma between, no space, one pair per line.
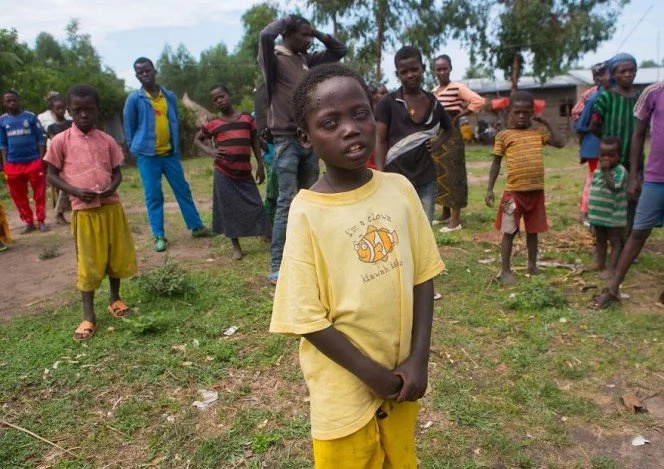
(644,76)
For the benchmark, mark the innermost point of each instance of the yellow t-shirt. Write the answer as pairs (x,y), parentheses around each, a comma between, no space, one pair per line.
(351,260)
(522,150)
(162,133)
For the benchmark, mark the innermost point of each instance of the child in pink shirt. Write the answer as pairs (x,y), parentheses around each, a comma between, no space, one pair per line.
(84,162)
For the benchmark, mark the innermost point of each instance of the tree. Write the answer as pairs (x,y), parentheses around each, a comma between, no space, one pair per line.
(648,63)
(476,70)
(548,34)
(57,66)
(375,26)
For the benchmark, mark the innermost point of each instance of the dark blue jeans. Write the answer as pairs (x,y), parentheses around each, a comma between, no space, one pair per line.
(295,168)
(427,193)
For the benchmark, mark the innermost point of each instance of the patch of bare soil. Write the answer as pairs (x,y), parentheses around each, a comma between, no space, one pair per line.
(30,284)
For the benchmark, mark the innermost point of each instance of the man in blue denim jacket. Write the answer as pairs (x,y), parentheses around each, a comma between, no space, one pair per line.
(151,129)
(283,66)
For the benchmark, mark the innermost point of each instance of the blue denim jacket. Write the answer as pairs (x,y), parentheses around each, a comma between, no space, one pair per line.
(138,117)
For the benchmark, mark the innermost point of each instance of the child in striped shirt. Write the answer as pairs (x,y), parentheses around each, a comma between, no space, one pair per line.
(607,206)
(521,146)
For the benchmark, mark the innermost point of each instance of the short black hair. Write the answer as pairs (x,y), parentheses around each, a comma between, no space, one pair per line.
(407,52)
(443,57)
(55,99)
(612,140)
(314,77)
(375,86)
(11,91)
(143,60)
(522,97)
(220,87)
(295,22)
(83,91)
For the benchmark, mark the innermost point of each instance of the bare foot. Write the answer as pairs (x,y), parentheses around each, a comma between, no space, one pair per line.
(533,270)
(606,274)
(507,278)
(237,254)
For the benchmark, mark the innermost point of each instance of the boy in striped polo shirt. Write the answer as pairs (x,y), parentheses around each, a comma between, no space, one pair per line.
(521,145)
(607,206)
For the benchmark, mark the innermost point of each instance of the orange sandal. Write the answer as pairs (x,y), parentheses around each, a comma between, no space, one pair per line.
(119,309)
(84,331)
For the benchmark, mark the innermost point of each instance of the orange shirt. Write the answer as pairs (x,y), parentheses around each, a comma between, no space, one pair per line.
(86,161)
(522,150)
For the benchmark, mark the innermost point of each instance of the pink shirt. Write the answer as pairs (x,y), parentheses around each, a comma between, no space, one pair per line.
(86,161)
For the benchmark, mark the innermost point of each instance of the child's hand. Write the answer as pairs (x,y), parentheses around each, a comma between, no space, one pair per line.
(106,193)
(86,195)
(633,190)
(385,384)
(436,146)
(415,377)
(260,174)
(541,120)
(488,199)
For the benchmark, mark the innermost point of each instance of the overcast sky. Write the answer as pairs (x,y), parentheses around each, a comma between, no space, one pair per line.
(122,30)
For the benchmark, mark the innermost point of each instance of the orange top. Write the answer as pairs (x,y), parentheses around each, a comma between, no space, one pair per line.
(522,150)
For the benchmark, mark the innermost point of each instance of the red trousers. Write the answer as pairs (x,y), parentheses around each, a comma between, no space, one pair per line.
(18,177)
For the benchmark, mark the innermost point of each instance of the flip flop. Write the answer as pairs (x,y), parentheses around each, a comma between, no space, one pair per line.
(603,300)
(119,309)
(446,229)
(84,331)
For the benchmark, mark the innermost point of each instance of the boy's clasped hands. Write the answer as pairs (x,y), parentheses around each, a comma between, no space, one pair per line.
(407,382)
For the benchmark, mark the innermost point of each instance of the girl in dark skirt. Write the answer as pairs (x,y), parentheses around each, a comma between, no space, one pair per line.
(459,101)
(237,208)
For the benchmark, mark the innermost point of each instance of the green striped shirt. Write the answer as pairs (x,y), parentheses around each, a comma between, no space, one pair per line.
(616,114)
(606,207)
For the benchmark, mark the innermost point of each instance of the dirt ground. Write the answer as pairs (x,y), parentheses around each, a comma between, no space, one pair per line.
(30,284)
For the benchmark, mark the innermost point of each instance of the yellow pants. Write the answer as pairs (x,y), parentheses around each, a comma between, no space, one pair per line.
(5,237)
(383,443)
(104,245)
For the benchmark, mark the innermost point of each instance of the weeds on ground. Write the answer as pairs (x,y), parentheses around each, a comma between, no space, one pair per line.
(166,281)
(536,294)
(49,252)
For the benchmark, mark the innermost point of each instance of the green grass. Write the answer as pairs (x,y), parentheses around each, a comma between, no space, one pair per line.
(514,371)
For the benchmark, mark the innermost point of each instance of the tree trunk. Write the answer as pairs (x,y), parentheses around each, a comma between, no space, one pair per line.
(381,11)
(516,71)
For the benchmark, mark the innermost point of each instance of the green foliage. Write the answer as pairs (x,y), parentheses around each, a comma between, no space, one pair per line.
(49,252)
(648,63)
(238,71)
(166,281)
(553,34)
(536,295)
(371,27)
(52,65)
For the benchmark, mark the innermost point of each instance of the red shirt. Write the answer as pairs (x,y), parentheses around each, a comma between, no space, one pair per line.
(235,138)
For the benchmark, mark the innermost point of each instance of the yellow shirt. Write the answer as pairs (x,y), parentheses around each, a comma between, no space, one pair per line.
(162,132)
(522,150)
(351,260)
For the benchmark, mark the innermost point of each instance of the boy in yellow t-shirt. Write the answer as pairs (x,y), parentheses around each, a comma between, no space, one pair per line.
(356,283)
(521,146)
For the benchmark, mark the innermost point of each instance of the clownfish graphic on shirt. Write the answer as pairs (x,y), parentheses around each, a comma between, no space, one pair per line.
(376,244)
